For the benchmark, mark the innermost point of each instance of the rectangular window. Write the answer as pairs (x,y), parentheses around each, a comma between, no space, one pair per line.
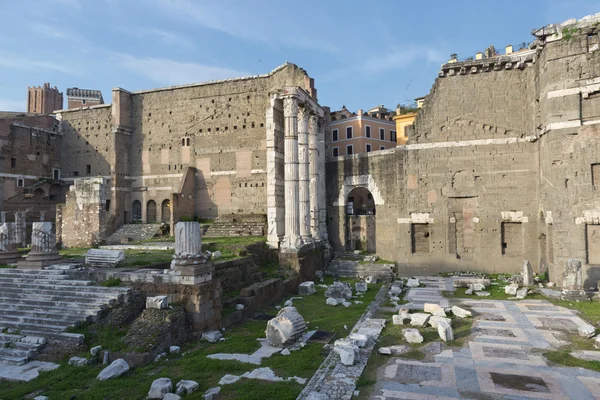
(393,136)
(381,134)
(368,131)
(335,152)
(420,238)
(88,169)
(592,244)
(13,162)
(20,182)
(381,148)
(75,173)
(368,148)
(512,239)
(56,174)
(349,132)
(107,205)
(350,149)
(596,176)
(334,135)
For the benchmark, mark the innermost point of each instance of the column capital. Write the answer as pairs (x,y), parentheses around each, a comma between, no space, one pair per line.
(290,106)
(313,122)
(304,113)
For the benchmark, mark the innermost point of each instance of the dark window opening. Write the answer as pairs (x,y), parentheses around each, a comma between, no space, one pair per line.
(88,169)
(368,131)
(13,162)
(334,135)
(336,152)
(107,205)
(349,132)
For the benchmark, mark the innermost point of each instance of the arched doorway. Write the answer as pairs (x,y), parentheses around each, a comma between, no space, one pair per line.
(136,210)
(151,212)
(166,212)
(360,220)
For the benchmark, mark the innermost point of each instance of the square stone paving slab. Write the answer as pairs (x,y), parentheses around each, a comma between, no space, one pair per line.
(528,384)
(503,353)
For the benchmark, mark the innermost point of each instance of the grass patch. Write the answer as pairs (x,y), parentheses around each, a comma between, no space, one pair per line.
(111,282)
(564,358)
(589,310)
(133,258)
(379,261)
(239,240)
(107,336)
(496,293)
(8,266)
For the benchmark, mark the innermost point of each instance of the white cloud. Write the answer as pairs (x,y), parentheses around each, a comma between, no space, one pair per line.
(12,105)
(170,72)
(15,61)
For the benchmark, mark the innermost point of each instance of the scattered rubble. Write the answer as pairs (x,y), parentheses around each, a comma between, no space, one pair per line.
(412,335)
(160,387)
(286,327)
(114,370)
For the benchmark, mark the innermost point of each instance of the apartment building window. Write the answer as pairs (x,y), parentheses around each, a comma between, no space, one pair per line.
(381,134)
(393,137)
(13,162)
(349,132)
(335,152)
(56,174)
(368,148)
(20,182)
(349,149)
(368,131)
(334,135)
(382,148)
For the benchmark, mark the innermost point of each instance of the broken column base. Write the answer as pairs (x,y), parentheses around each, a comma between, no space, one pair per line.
(39,260)
(305,261)
(9,257)
(193,274)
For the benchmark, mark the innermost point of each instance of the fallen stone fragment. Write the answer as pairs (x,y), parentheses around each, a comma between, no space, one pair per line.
(346,304)
(347,353)
(229,379)
(339,290)
(586,331)
(412,283)
(469,291)
(360,286)
(483,294)
(285,352)
(114,370)
(527,274)
(288,303)
(445,331)
(385,351)
(419,319)
(160,387)
(239,307)
(461,312)
(397,320)
(186,387)
(477,287)
(158,302)
(522,293)
(40,398)
(434,321)
(215,255)
(95,350)
(174,350)
(434,309)
(331,302)
(511,289)
(286,327)
(393,350)
(550,284)
(360,339)
(371,279)
(597,342)
(307,288)
(78,361)
(211,393)
(412,335)
(404,313)
(212,336)
(173,396)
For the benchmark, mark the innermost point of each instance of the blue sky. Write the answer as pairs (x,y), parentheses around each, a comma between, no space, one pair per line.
(360,53)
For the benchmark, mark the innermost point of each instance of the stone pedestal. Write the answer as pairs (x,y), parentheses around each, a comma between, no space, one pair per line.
(43,248)
(527,274)
(9,253)
(189,262)
(572,282)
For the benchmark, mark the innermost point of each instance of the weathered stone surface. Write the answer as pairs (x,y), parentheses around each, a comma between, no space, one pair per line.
(412,335)
(78,361)
(412,283)
(186,387)
(404,313)
(586,331)
(360,286)
(172,396)
(158,302)
(160,387)
(212,336)
(239,307)
(331,302)
(419,319)
(95,350)
(101,258)
(285,352)
(469,291)
(229,379)
(597,342)
(477,286)
(483,294)
(434,309)
(397,320)
(306,288)
(211,393)
(174,350)
(445,331)
(511,289)
(572,278)
(371,279)
(114,370)
(339,290)
(285,328)
(434,321)
(347,349)
(522,293)
(527,274)
(461,312)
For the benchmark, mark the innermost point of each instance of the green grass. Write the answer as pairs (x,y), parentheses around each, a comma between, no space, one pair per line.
(67,381)
(133,258)
(8,266)
(496,293)
(111,282)
(379,261)
(589,310)
(563,357)
(245,240)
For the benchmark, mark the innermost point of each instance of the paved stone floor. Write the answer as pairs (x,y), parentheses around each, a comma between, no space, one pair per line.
(502,359)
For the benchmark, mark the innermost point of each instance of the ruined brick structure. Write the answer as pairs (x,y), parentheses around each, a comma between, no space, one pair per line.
(503,165)
(44,99)
(83,98)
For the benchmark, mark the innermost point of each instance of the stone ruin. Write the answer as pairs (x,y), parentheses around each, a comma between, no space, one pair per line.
(285,328)
(43,248)
(572,279)
(9,253)
(189,262)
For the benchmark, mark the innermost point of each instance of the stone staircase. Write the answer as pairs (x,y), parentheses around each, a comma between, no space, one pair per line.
(227,229)
(134,233)
(350,266)
(37,306)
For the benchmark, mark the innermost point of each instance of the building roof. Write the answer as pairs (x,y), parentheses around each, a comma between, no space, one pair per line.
(16,114)
(86,93)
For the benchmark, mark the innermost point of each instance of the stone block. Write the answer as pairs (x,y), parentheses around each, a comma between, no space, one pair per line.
(397,320)
(412,283)
(160,387)
(483,294)
(186,387)
(211,393)
(212,336)
(419,319)
(285,328)
(477,286)
(172,396)
(174,350)
(434,321)
(412,335)
(461,312)
(511,289)
(114,370)
(434,309)
(445,331)
(331,302)
(78,361)
(597,342)
(339,290)
(522,293)
(586,331)
(527,274)
(95,350)
(360,286)
(102,258)
(158,302)
(371,279)
(306,288)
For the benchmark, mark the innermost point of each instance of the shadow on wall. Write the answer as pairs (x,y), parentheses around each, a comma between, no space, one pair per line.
(593,276)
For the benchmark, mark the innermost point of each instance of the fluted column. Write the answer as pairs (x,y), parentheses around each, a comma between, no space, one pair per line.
(188,239)
(321,181)
(303,175)
(292,207)
(43,240)
(7,237)
(313,154)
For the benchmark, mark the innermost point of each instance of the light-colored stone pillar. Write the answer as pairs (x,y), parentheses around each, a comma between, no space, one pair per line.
(303,174)
(189,264)
(275,179)
(9,252)
(188,239)
(313,174)
(292,205)
(21,228)
(321,178)
(43,239)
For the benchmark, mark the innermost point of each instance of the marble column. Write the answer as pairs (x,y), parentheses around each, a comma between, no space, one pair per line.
(9,252)
(303,174)
(292,207)
(188,239)
(321,195)
(313,154)
(189,263)
(43,239)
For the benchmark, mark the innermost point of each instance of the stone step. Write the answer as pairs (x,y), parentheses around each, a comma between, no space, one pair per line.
(63,315)
(13,360)
(41,272)
(27,280)
(39,321)
(42,330)
(7,337)
(14,352)
(49,278)
(72,309)
(76,294)
(60,301)
(21,346)
(67,288)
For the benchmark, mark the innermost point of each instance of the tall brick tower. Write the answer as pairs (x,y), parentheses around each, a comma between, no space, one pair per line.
(44,99)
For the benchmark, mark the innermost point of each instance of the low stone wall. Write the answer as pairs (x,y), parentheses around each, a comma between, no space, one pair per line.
(305,262)
(235,274)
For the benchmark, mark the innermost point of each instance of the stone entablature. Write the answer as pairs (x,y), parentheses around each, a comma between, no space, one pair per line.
(518,60)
